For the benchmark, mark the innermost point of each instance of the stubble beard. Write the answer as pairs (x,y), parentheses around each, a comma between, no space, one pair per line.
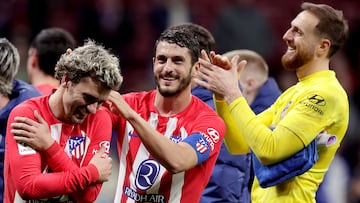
(169,93)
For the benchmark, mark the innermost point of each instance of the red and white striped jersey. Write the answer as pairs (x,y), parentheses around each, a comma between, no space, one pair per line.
(62,171)
(141,178)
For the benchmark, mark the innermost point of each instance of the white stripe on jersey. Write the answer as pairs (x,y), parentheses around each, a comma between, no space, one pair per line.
(176,185)
(141,155)
(122,163)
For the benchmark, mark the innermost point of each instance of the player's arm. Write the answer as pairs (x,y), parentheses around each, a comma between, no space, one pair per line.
(234,141)
(175,157)
(26,166)
(291,134)
(99,131)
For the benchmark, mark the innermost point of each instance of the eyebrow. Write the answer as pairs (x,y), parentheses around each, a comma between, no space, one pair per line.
(91,99)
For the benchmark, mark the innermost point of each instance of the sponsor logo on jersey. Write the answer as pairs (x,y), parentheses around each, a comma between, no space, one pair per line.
(105,144)
(313,102)
(146,174)
(77,146)
(212,136)
(176,138)
(130,134)
(153,198)
(317,99)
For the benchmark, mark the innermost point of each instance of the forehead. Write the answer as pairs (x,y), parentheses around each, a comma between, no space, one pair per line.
(93,88)
(171,50)
(305,20)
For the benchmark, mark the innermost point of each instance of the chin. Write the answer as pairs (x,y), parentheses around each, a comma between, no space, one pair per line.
(77,120)
(166,91)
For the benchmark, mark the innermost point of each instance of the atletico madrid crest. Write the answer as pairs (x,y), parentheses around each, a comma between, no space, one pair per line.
(77,146)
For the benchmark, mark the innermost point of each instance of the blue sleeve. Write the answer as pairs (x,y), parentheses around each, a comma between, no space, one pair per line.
(200,145)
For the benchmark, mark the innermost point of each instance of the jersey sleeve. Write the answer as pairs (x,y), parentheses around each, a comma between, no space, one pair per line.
(234,141)
(206,136)
(270,146)
(294,131)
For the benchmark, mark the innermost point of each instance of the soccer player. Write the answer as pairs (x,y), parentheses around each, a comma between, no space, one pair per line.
(314,108)
(57,145)
(168,139)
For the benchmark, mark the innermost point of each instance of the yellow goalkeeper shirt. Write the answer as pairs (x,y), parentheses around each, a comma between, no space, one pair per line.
(316,104)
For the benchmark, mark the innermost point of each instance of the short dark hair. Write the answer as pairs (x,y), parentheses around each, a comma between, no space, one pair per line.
(50,44)
(183,37)
(205,38)
(332,24)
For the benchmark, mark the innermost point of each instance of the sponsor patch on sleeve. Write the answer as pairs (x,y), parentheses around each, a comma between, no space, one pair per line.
(25,149)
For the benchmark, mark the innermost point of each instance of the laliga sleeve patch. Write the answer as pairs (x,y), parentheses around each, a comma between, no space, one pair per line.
(200,145)
(25,149)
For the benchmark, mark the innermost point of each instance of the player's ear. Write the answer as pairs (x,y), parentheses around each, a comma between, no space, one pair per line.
(324,47)
(195,69)
(65,80)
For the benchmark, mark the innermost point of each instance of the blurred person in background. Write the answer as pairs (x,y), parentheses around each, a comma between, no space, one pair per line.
(232,177)
(12,92)
(232,174)
(45,50)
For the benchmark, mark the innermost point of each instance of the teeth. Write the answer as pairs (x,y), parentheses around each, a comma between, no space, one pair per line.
(169,78)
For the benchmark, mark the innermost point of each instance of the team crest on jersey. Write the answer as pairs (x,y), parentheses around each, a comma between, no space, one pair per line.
(77,146)
(202,146)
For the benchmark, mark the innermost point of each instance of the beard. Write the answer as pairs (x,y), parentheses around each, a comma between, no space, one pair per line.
(293,61)
(166,92)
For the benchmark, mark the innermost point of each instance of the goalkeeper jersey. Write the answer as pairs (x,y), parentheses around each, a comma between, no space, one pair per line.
(317,104)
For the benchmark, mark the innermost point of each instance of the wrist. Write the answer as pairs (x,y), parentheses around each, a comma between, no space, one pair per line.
(48,144)
(233,96)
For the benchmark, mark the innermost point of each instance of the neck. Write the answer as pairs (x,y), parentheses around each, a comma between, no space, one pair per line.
(41,78)
(4,100)
(56,105)
(168,106)
(312,67)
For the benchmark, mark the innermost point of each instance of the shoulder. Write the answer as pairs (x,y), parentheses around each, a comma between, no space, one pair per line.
(26,108)
(25,90)
(131,96)
(101,115)
(140,100)
(202,113)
